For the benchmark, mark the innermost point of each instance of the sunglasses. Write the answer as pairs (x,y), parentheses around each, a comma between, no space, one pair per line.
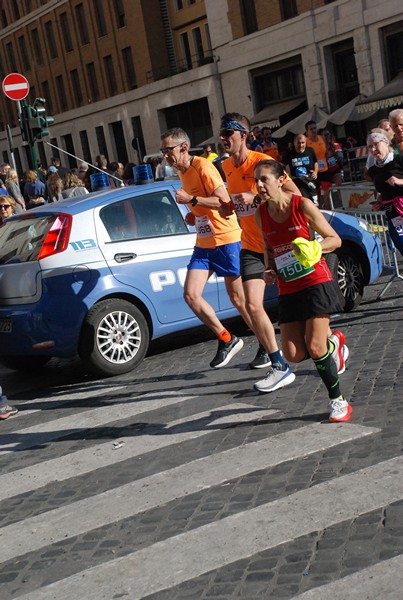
(226,132)
(169,148)
(5,206)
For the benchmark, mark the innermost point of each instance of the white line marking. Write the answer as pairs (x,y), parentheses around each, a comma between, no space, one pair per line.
(56,400)
(383,580)
(82,420)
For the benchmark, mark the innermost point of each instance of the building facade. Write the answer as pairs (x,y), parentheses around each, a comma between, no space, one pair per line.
(116,73)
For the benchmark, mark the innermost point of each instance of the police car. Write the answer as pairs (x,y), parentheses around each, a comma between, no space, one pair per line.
(103,274)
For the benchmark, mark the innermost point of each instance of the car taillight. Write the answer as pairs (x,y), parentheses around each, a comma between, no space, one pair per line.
(57,238)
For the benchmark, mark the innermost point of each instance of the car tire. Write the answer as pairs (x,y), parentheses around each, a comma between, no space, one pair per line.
(347,272)
(24,363)
(114,338)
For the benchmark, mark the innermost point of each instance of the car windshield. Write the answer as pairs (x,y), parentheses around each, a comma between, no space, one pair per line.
(148,215)
(21,239)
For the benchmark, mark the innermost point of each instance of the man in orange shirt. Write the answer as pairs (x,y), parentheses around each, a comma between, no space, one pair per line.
(269,145)
(318,143)
(315,141)
(239,171)
(218,244)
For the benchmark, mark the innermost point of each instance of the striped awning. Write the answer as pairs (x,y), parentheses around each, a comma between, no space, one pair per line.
(347,112)
(388,96)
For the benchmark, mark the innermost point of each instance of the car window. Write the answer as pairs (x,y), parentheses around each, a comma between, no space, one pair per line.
(21,239)
(149,215)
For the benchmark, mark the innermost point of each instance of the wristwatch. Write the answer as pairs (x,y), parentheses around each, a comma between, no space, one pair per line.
(193,201)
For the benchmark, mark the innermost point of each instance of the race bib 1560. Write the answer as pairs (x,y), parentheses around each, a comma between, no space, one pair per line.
(289,268)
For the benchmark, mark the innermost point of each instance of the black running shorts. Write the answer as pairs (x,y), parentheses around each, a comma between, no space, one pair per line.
(252,265)
(320,299)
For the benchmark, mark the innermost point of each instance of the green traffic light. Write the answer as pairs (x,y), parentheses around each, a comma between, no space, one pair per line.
(25,118)
(39,122)
(33,121)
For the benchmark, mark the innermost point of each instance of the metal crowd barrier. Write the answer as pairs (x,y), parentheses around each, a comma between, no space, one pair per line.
(355,200)
(354,164)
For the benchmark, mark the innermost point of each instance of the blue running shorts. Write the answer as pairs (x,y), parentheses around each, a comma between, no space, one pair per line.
(224,260)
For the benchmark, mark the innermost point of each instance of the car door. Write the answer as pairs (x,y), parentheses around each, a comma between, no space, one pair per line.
(147,245)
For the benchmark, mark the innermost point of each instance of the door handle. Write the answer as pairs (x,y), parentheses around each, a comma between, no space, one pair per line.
(124,256)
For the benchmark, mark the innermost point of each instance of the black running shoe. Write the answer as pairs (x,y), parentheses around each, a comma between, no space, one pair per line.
(226,350)
(261,360)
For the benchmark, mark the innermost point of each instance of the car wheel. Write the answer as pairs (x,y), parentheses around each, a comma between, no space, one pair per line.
(114,338)
(24,363)
(348,274)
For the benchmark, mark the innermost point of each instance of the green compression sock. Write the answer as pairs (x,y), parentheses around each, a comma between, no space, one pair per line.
(327,370)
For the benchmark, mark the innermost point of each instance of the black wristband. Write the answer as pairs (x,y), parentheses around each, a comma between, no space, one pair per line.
(194,201)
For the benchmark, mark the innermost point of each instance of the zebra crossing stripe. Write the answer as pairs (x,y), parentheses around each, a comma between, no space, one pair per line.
(82,420)
(147,493)
(383,580)
(101,455)
(188,555)
(56,400)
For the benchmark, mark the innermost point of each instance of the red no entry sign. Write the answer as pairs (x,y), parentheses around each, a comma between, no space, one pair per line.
(15,86)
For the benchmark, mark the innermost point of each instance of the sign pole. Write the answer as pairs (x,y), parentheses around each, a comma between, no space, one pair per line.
(11,146)
(33,157)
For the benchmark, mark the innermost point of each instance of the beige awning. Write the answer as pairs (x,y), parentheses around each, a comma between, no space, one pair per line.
(297,125)
(270,115)
(347,112)
(388,96)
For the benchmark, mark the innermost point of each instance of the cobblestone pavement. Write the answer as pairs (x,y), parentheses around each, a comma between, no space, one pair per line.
(181,482)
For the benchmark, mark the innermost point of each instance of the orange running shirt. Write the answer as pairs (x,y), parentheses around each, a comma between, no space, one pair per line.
(202,179)
(241,179)
(272,151)
(320,151)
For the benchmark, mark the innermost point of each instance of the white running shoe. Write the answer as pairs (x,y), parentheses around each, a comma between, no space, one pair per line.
(274,380)
(340,410)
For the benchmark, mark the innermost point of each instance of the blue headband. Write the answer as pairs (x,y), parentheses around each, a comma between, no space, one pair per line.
(230,124)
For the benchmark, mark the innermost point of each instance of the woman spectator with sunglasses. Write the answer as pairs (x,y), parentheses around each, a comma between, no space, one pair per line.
(7,207)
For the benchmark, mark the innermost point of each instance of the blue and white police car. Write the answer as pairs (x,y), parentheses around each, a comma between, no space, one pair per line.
(103,274)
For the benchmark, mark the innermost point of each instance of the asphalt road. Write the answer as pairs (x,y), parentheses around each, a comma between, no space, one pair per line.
(181,482)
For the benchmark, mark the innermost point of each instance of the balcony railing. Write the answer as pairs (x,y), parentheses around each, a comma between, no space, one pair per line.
(186,64)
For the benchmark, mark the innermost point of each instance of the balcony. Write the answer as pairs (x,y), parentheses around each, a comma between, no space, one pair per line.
(186,64)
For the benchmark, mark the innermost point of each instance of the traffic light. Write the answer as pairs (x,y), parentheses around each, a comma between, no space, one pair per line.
(25,115)
(37,120)
(33,121)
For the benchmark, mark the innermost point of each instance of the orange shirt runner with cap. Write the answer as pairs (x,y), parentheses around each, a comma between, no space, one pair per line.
(241,179)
